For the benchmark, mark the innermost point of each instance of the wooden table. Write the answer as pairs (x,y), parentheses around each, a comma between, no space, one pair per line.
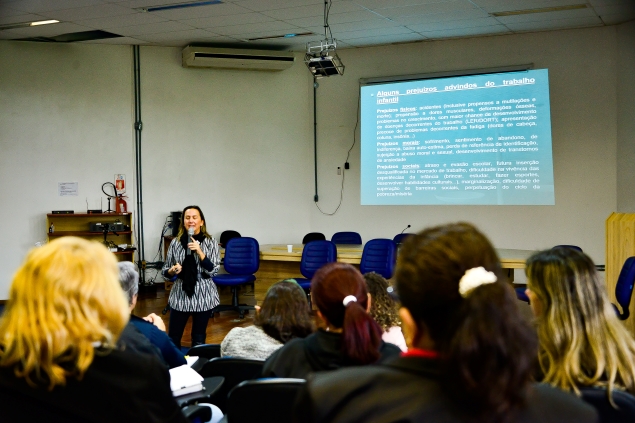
(276,263)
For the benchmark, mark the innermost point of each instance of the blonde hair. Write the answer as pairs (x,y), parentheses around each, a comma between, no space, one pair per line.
(64,299)
(582,342)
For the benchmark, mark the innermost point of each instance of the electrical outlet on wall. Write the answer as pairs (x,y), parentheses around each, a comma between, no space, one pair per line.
(339,170)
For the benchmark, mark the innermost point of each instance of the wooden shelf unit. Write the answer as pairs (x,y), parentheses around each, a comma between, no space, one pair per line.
(77,224)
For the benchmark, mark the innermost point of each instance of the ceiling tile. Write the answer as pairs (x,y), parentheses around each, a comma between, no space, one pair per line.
(47,30)
(138,18)
(191,35)
(392,39)
(262,5)
(458,15)
(36,6)
(83,13)
(426,9)
(334,19)
(555,24)
(383,4)
(547,16)
(596,3)
(118,41)
(22,18)
(467,32)
(221,9)
(230,20)
(440,26)
(511,5)
(5,12)
(356,26)
(313,10)
(617,19)
(267,27)
(625,9)
(153,28)
(344,36)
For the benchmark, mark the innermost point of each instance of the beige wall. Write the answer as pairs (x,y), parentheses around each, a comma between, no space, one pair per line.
(626,118)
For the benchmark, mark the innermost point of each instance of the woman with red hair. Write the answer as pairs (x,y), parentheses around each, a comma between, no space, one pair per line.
(348,336)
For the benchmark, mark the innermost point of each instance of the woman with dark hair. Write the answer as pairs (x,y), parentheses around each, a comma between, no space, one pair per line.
(283,316)
(348,336)
(582,342)
(191,262)
(384,310)
(470,355)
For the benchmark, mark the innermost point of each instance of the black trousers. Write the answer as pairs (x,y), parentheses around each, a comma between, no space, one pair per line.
(178,320)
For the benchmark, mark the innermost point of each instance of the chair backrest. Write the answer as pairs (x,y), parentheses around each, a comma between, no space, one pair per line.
(624,287)
(242,256)
(315,255)
(379,256)
(234,370)
(625,402)
(225,236)
(575,247)
(313,236)
(271,399)
(208,351)
(399,238)
(346,238)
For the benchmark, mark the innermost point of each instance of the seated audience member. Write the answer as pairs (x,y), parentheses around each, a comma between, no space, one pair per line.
(470,353)
(349,335)
(58,334)
(283,316)
(582,342)
(384,310)
(152,326)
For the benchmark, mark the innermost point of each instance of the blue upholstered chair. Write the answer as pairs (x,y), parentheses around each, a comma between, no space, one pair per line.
(625,402)
(313,236)
(379,256)
(624,288)
(346,238)
(270,398)
(400,238)
(315,255)
(242,259)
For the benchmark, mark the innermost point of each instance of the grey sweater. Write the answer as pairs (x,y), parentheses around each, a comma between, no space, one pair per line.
(250,342)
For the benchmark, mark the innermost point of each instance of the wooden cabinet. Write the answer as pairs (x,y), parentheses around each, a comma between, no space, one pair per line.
(79,225)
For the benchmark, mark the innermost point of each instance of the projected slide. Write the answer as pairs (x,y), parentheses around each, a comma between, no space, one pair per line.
(483,139)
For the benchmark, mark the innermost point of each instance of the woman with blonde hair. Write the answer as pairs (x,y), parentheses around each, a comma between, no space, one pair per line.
(58,359)
(582,342)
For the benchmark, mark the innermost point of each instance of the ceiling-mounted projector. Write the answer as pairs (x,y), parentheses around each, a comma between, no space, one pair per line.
(322,59)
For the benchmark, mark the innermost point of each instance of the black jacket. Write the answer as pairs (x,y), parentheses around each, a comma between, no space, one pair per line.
(317,352)
(406,389)
(119,386)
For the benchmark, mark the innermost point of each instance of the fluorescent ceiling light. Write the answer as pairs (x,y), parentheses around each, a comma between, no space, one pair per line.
(51,21)
(541,10)
(273,37)
(179,5)
(27,24)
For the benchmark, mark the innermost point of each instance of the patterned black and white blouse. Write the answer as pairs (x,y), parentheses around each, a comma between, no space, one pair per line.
(205,293)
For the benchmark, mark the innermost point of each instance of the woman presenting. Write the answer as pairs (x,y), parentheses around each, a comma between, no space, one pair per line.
(192,260)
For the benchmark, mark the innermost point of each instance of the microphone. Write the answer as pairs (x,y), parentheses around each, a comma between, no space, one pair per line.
(190,234)
(404,229)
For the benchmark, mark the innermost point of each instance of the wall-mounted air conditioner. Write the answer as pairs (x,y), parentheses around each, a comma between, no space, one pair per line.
(225,58)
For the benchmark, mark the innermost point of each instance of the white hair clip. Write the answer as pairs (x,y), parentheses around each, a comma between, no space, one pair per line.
(474,278)
(348,299)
